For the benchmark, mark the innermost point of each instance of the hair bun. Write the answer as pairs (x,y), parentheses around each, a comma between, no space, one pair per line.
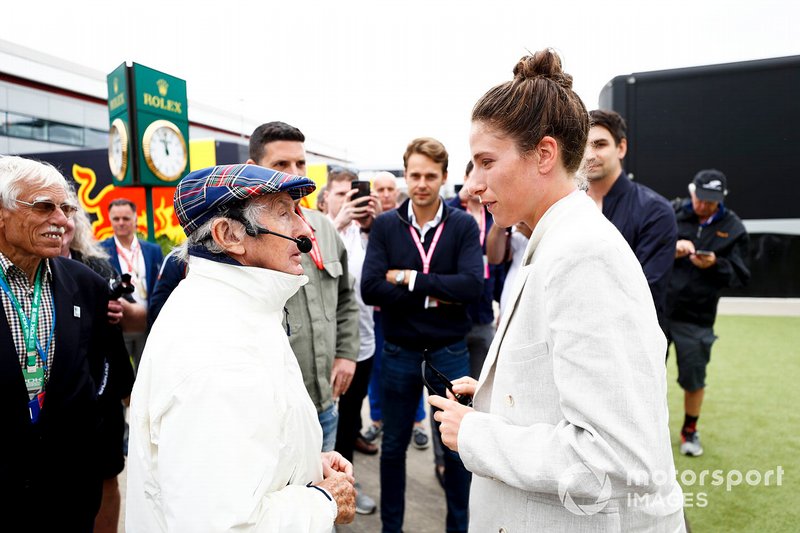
(542,64)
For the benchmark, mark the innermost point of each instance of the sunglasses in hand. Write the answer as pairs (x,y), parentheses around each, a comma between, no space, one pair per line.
(463,399)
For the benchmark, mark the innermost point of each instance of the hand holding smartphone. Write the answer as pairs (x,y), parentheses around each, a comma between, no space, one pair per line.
(363,189)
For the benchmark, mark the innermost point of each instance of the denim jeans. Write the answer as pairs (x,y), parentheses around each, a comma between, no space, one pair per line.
(401,385)
(374,390)
(329,420)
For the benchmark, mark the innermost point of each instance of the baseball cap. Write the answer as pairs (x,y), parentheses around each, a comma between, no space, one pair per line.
(710,185)
(209,191)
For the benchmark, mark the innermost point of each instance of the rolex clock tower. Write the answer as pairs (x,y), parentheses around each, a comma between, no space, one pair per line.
(149,130)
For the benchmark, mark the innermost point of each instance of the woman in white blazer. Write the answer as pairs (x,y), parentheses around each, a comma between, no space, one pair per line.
(569,427)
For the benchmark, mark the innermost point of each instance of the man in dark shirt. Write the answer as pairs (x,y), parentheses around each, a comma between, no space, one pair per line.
(643,216)
(710,254)
(423,267)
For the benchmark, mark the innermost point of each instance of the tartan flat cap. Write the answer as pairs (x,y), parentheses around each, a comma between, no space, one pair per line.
(206,192)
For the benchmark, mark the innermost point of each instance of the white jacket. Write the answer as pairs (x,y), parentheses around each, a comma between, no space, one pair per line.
(223,435)
(570,431)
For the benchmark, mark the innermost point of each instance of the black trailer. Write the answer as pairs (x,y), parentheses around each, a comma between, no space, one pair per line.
(741,118)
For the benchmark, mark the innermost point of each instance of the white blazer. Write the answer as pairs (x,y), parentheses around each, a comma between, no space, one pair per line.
(570,431)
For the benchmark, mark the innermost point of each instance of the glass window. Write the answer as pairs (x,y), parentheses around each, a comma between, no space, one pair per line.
(25,126)
(59,132)
(96,138)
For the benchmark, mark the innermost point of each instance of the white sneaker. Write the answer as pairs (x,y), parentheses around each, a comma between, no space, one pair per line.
(691,445)
(364,504)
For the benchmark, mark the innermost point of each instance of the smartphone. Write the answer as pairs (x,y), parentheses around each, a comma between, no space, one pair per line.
(362,187)
(703,252)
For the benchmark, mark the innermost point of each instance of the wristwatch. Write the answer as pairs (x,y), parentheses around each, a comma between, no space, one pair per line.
(399,277)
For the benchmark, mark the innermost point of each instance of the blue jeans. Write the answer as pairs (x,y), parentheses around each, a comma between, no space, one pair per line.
(374,390)
(329,420)
(401,385)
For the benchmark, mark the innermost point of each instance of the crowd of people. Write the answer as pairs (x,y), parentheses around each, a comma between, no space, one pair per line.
(245,356)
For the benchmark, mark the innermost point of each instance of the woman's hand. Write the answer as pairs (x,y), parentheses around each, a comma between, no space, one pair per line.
(465,386)
(449,417)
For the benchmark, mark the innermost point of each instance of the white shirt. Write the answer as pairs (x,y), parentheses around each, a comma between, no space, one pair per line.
(132,262)
(355,242)
(412,278)
(518,244)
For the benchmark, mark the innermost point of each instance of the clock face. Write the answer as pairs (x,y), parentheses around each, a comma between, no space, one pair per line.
(164,150)
(118,149)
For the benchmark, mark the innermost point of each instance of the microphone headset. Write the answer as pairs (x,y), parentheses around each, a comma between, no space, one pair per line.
(303,243)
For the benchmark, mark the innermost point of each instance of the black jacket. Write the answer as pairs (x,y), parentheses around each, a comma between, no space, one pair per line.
(50,478)
(456,277)
(647,221)
(693,292)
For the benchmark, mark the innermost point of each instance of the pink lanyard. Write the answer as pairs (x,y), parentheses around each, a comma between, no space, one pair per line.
(132,260)
(426,258)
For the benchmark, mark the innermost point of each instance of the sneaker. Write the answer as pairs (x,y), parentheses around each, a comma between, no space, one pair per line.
(373,432)
(690,444)
(364,504)
(419,438)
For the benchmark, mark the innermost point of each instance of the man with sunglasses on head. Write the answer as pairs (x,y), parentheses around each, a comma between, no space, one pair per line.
(423,267)
(54,337)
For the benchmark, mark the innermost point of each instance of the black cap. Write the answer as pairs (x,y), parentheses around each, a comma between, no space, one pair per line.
(710,185)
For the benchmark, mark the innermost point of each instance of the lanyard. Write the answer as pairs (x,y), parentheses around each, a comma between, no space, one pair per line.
(483,225)
(315,253)
(426,258)
(131,259)
(30,326)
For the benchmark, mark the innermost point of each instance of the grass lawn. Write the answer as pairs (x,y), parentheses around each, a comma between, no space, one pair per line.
(750,422)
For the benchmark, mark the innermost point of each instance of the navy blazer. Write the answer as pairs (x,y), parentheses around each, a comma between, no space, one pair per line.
(52,468)
(153,257)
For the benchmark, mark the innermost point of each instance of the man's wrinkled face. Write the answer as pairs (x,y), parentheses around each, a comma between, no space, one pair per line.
(28,231)
(386,187)
(277,213)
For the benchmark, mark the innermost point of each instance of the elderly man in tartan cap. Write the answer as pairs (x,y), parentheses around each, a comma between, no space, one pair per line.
(223,433)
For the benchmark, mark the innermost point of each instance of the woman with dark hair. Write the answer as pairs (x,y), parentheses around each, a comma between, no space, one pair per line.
(569,428)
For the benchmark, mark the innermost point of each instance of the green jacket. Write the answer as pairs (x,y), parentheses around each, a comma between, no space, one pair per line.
(323,315)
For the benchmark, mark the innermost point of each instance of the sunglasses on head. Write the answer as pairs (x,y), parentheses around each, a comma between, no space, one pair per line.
(48,207)
(460,398)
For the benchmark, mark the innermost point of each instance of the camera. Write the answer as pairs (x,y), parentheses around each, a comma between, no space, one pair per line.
(120,286)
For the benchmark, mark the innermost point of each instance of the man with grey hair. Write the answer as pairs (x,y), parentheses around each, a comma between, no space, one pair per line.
(54,334)
(224,435)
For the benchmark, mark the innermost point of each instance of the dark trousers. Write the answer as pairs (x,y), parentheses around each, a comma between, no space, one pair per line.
(401,385)
(350,409)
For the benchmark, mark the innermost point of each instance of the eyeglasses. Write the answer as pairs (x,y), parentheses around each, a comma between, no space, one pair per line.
(48,207)
(460,398)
